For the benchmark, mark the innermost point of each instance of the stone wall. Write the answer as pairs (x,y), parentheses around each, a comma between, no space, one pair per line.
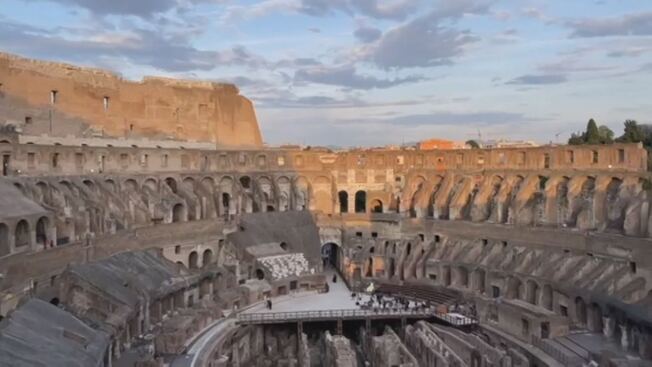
(59,100)
(338,351)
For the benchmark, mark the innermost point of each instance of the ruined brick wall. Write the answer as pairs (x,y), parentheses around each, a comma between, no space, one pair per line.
(95,99)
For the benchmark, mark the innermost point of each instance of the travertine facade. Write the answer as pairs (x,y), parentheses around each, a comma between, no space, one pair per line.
(60,100)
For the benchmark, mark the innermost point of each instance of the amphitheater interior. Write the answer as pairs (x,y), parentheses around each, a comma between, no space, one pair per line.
(124,242)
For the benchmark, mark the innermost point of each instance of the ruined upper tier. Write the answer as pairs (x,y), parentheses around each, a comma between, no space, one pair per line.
(63,100)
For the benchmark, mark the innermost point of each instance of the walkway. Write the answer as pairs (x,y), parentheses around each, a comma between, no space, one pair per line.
(337,304)
(337,298)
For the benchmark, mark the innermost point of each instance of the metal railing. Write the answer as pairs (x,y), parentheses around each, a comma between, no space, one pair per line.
(343,314)
(456,321)
(558,355)
(349,314)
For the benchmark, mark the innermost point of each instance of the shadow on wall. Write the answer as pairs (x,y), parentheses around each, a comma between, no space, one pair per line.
(295,231)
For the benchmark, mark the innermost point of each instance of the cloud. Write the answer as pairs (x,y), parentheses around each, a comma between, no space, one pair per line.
(481,118)
(420,43)
(348,77)
(639,24)
(138,46)
(540,79)
(425,41)
(141,8)
(378,9)
(233,13)
(367,34)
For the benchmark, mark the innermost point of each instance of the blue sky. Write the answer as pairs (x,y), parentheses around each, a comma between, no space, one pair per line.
(371,72)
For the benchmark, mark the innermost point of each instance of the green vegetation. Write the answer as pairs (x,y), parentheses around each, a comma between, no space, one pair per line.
(633,133)
(592,135)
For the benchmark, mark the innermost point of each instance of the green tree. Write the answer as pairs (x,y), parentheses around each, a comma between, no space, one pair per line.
(633,133)
(473,144)
(576,139)
(592,133)
(606,135)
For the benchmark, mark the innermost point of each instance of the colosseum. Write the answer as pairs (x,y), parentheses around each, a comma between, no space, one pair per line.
(146,224)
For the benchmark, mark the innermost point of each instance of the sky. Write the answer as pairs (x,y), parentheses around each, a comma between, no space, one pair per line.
(371,72)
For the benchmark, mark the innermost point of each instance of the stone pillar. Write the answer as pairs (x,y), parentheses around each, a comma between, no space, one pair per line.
(624,339)
(608,326)
(645,344)
(300,350)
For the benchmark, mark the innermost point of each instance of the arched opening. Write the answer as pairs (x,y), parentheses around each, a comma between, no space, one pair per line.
(446,275)
(369,268)
(41,231)
(372,249)
(260,274)
(192,260)
(151,185)
(178,213)
(245,181)
(110,184)
(361,202)
(479,282)
(462,277)
(408,249)
(226,203)
(415,197)
(172,183)
(207,258)
(595,318)
(55,301)
(270,208)
(514,288)
(580,311)
(343,197)
(284,246)
(532,292)
(22,233)
(4,239)
(330,254)
(377,206)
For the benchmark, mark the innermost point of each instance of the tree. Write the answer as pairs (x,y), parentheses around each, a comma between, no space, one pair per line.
(633,133)
(606,135)
(473,144)
(592,133)
(577,138)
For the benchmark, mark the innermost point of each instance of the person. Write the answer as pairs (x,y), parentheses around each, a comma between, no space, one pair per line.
(334,278)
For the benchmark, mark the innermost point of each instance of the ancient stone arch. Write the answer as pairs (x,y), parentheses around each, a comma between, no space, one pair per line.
(193,259)
(22,234)
(376,206)
(207,258)
(343,199)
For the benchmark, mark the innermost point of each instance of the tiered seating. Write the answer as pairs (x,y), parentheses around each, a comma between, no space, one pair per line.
(438,296)
(283,266)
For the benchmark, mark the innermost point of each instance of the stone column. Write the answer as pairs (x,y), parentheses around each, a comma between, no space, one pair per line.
(608,324)
(624,339)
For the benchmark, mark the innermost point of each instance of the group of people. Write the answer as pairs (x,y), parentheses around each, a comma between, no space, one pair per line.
(380,302)
(467,309)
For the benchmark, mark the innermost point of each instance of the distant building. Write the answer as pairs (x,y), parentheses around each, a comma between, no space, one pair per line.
(440,144)
(502,143)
